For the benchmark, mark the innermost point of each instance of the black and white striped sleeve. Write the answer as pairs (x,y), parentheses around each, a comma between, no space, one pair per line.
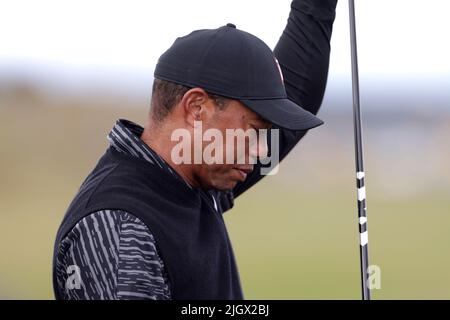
(113,255)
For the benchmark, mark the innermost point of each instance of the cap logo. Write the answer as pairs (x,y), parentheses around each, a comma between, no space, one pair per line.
(279,70)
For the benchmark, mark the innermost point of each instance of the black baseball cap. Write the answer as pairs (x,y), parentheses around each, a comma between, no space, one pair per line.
(235,64)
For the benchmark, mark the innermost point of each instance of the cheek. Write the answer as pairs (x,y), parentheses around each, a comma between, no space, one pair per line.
(228,120)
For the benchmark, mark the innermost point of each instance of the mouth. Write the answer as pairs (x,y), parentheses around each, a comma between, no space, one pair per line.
(243,171)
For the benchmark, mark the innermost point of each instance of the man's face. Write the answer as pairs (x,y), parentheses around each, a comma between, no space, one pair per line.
(237,158)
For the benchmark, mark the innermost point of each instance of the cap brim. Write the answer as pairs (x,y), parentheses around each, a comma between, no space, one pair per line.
(283,113)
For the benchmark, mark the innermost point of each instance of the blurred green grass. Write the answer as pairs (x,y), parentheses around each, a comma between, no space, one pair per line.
(292,245)
(294,238)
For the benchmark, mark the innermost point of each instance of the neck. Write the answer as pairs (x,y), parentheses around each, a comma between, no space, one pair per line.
(157,137)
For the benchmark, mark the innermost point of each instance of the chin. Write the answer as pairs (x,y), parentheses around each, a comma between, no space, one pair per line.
(222,181)
(224,185)
(226,188)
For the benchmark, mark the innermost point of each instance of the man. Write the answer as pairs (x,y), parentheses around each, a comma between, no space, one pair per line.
(145,225)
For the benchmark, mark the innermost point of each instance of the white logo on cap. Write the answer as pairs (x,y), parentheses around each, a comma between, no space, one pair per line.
(279,70)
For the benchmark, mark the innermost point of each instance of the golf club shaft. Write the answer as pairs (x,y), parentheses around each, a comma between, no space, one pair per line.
(362,210)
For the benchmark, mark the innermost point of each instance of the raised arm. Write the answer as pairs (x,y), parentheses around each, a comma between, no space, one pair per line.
(303,53)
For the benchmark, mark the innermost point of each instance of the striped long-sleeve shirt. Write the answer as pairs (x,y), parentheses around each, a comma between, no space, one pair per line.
(115,257)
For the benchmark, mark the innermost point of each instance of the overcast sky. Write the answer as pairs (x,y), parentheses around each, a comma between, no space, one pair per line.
(396,38)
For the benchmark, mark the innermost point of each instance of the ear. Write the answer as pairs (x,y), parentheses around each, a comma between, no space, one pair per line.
(196,105)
